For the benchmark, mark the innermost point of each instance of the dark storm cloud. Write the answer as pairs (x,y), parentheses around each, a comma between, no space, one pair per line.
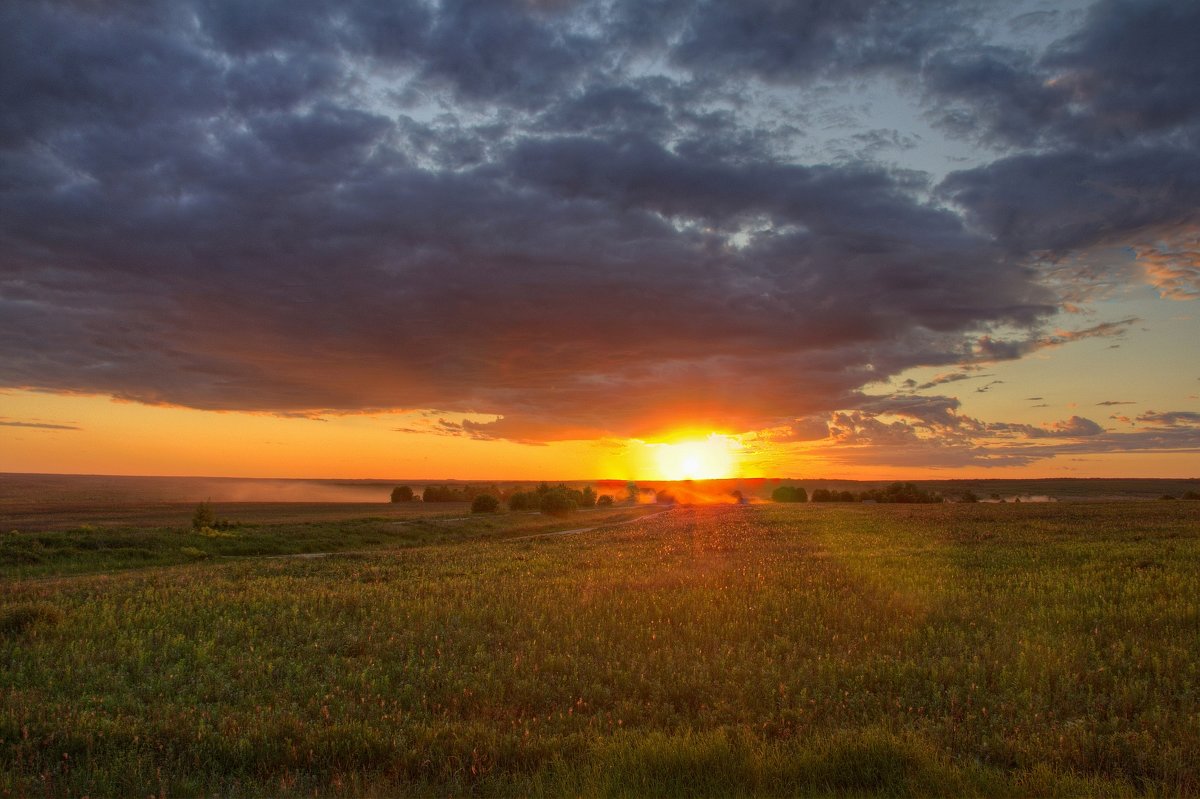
(796,42)
(1114,110)
(505,209)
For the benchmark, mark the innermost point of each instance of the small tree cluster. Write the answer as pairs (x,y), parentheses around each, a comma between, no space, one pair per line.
(790,494)
(402,494)
(826,495)
(557,500)
(466,493)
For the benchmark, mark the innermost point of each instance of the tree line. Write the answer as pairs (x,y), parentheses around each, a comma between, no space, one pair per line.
(556,500)
(896,492)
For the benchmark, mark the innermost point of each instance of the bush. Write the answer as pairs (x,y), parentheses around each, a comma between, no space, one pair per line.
(203,517)
(525,500)
(485,503)
(402,494)
(664,497)
(557,503)
(605,501)
(1191,495)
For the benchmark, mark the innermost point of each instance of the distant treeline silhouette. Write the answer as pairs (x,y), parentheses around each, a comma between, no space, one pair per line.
(896,492)
(558,500)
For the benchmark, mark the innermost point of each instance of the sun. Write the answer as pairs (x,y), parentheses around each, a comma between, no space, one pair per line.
(711,458)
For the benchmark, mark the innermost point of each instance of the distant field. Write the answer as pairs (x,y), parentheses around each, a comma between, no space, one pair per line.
(724,650)
(33,502)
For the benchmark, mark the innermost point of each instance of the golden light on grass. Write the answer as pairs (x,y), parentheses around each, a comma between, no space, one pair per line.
(713,457)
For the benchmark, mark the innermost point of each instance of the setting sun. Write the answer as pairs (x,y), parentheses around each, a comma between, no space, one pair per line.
(714,457)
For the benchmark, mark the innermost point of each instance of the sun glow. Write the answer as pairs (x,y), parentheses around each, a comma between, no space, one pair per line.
(714,457)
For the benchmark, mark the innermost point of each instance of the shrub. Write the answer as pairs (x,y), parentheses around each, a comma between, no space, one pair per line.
(604,501)
(664,497)
(402,494)
(557,503)
(485,503)
(203,517)
(1191,495)
(525,500)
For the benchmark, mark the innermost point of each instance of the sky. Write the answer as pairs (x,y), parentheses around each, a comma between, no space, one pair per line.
(874,239)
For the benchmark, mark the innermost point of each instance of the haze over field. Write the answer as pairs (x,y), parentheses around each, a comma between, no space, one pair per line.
(620,239)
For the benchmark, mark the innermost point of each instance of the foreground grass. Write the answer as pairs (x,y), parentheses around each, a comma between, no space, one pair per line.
(954,650)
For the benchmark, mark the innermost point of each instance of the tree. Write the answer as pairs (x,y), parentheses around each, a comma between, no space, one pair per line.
(631,492)
(402,494)
(485,503)
(589,498)
(525,500)
(793,494)
(557,503)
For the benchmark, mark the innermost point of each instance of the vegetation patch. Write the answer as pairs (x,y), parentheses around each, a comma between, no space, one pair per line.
(20,617)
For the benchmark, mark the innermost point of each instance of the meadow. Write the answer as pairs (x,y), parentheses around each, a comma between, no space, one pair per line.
(989,650)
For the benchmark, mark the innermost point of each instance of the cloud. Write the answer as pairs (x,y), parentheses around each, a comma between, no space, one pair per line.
(577,220)
(1171,418)
(1172,264)
(991,349)
(1074,427)
(36,425)
(864,439)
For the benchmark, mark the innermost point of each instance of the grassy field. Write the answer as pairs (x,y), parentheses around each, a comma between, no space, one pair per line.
(724,650)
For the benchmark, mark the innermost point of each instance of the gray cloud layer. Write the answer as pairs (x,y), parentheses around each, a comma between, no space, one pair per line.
(584,218)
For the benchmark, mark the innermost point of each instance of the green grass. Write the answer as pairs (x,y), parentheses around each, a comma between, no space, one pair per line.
(87,549)
(723,651)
